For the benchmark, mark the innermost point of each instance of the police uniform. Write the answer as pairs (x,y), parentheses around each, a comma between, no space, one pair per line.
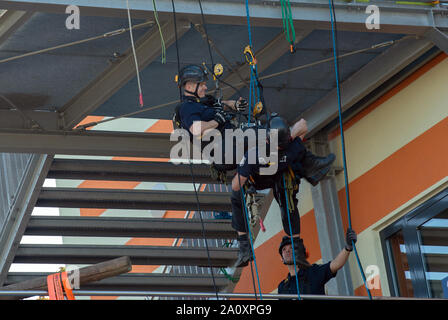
(311,280)
(192,109)
(291,156)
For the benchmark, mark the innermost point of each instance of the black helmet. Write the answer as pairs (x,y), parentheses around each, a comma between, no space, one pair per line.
(285,241)
(193,73)
(284,133)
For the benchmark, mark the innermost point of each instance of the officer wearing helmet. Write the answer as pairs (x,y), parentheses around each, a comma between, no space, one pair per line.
(312,280)
(199,112)
(291,154)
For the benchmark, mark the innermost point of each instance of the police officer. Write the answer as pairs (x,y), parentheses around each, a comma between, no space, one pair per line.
(292,154)
(312,280)
(199,112)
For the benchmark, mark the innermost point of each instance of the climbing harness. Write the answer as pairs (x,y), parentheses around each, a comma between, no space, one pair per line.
(291,186)
(254,206)
(59,287)
(338,89)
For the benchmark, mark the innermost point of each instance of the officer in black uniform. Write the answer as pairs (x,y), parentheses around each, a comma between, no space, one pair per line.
(312,280)
(199,112)
(291,154)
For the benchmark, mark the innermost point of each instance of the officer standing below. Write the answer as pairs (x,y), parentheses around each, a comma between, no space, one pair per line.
(312,280)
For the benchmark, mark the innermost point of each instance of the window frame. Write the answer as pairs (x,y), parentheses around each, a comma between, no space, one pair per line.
(409,225)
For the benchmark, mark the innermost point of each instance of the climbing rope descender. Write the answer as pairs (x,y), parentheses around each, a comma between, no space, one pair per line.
(253,205)
(250,56)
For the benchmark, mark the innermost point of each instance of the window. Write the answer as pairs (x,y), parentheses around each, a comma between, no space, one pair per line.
(416,250)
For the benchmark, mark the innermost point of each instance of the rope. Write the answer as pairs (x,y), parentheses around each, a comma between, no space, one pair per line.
(288,24)
(191,164)
(162,40)
(292,242)
(347,192)
(254,80)
(243,196)
(140,94)
(70,44)
(253,69)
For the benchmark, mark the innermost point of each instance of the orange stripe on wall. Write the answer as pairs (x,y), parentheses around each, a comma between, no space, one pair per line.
(376,292)
(93,212)
(161,126)
(89,119)
(392,92)
(407,172)
(271,269)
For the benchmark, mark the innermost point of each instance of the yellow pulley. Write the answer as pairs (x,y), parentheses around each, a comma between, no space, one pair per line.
(250,56)
(218,70)
(258,108)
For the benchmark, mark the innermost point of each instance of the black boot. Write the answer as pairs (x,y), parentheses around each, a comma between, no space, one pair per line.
(300,254)
(315,179)
(245,254)
(312,164)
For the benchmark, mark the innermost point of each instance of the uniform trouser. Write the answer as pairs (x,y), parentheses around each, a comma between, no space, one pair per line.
(239,214)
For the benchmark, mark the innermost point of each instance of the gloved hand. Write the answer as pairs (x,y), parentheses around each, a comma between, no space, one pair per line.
(209,100)
(241,105)
(350,238)
(220,117)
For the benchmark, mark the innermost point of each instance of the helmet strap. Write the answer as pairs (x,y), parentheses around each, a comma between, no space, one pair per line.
(195,93)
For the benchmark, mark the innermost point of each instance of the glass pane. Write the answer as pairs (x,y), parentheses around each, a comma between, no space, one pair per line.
(400,264)
(434,235)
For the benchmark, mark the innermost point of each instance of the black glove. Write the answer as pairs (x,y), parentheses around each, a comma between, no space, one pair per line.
(241,105)
(350,239)
(209,100)
(220,117)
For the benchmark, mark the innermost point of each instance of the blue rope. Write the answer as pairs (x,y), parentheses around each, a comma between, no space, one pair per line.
(250,239)
(292,242)
(347,192)
(248,22)
(253,71)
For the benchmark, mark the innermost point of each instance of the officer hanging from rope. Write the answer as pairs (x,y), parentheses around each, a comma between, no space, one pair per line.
(199,112)
(294,162)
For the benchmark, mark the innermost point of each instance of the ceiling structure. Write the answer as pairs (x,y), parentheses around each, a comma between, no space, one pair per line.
(56,89)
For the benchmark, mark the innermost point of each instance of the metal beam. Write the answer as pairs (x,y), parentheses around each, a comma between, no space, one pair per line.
(439,38)
(15,119)
(95,143)
(20,211)
(133,199)
(140,255)
(129,171)
(142,281)
(10,21)
(309,14)
(129,227)
(101,89)
(364,81)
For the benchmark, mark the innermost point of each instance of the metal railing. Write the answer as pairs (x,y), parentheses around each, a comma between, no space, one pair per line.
(191,295)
